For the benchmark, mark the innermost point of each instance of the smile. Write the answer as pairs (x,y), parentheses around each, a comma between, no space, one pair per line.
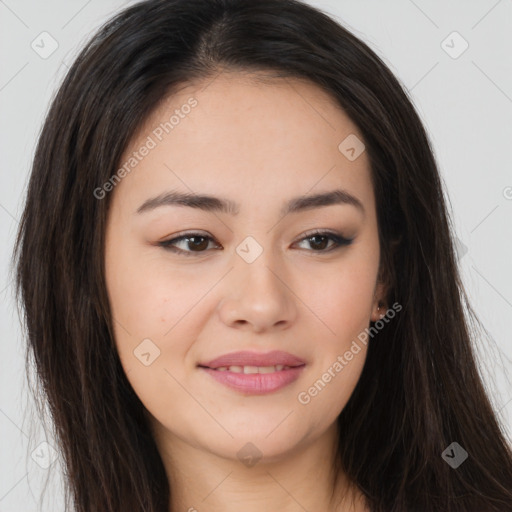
(255,380)
(252,369)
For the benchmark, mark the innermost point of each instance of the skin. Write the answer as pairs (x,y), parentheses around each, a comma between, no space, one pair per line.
(259,145)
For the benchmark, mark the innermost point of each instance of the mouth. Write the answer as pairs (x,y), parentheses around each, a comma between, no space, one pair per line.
(249,370)
(255,373)
(247,359)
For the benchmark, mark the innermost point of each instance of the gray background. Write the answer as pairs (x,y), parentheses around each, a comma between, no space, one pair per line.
(464,100)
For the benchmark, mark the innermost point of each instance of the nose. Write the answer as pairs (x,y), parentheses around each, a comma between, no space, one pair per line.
(258,296)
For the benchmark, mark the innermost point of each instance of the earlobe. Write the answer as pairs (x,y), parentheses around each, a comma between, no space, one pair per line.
(379,311)
(379,303)
(382,289)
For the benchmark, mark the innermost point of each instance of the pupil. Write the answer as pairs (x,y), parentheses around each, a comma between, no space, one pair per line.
(319,236)
(195,244)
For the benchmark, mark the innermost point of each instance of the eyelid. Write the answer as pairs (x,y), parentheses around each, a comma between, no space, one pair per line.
(320,231)
(166,244)
(339,240)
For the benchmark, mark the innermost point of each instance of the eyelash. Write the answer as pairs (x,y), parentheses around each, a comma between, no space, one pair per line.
(339,241)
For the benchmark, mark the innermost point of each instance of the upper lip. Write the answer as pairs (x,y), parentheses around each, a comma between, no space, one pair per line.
(246,358)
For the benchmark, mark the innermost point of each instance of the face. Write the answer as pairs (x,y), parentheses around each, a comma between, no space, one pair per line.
(189,284)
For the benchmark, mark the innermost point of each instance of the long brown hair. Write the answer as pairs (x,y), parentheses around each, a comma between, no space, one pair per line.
(420,389)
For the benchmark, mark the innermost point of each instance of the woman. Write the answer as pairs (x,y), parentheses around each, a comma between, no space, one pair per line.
(239,277)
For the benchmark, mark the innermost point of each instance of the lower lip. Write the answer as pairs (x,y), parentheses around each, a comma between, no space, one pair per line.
(256,383)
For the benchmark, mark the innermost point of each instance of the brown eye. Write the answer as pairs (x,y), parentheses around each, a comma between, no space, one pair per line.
(193,243)
(319,240)
(198,242)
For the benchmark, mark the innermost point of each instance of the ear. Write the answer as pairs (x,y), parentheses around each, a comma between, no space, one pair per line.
(385,283)
(379,305)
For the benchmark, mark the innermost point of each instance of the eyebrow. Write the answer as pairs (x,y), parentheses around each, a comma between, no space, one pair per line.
(218,204)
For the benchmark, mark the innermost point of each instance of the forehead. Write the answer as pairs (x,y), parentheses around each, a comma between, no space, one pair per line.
(236,135)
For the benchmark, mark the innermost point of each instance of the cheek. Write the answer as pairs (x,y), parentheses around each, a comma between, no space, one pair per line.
(156,318)
(326,394)
(344,305)
(344,300)
(345,309)
(147,297)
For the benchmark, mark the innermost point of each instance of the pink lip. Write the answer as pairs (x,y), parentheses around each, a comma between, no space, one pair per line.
(255,383)
(246,358)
